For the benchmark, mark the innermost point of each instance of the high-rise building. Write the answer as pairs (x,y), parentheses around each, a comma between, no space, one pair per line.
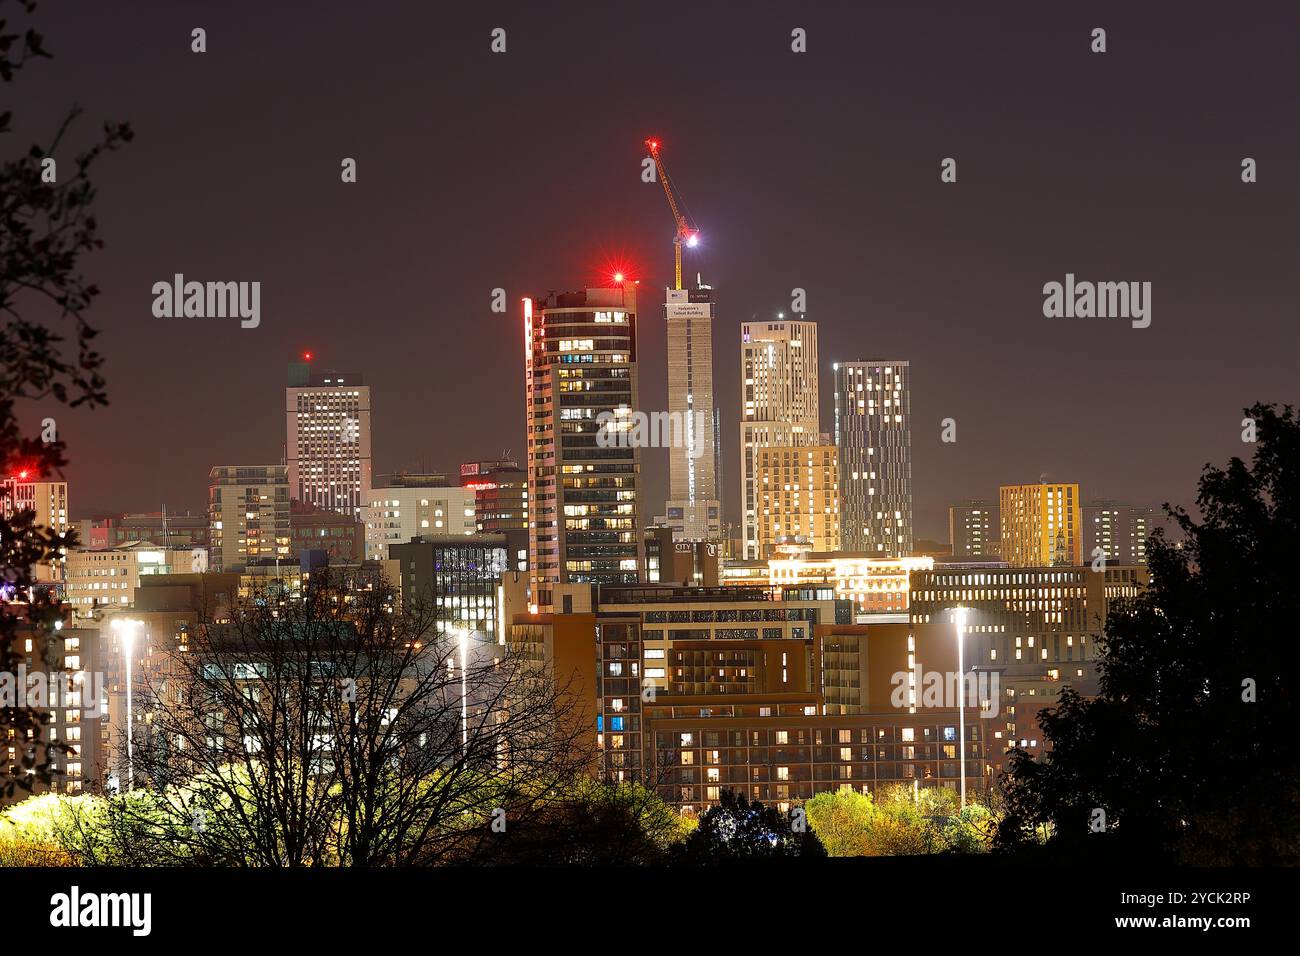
(873,429)
(1119,529)
(779,405)
(500,494)
(693,509)
(799,500)
(49,501)
(327,438)
(583,493)
(973,530)
(1041,525)
(248,516)
(414,505)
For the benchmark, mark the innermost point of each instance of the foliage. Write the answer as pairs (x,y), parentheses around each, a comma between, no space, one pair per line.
(1188,749)
(736,830)
(895,823)
(46,228)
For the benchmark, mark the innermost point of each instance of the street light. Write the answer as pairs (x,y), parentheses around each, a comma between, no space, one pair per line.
(959,621)
(462,636)
(127,628)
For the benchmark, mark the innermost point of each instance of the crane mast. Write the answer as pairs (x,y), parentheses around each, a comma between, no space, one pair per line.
(686,232)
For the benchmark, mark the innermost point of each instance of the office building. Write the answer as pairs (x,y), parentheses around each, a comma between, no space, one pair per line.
(100,579)
(327,438)
(584,492)
(409,506)
(457,578)
(779,406)
(873,430)
(1041,525)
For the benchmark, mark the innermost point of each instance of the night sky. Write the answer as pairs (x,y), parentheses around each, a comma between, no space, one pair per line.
(818,170)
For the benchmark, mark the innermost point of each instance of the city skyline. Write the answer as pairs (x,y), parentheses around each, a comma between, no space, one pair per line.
(1028,207)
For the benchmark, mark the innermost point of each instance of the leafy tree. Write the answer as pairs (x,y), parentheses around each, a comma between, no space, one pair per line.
(595,823)
(1189,748)
(45,230)
(736,830)
(843,820)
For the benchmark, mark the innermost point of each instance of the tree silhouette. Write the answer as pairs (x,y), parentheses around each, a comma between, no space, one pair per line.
(736,830)
(1188,752)
(45,229)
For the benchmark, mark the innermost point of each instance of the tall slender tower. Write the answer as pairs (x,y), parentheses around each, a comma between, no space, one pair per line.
(778,405)
(873,429)
(327,439)
(693,510)
(584,517)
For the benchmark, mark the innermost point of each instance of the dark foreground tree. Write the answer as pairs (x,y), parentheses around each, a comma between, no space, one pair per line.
(736,830)
(338,730)
(46,227)
(1189,750)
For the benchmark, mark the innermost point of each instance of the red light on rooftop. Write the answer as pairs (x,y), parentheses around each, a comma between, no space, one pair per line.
(23,474)
(306,356)
(618,277)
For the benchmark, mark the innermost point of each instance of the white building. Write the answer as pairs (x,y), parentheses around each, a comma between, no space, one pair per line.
(396,514)
(104,578)
(327,439)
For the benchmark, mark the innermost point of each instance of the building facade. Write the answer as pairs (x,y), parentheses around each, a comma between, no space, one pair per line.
(458,578)
(500,494)
(327,438)
(694,508)
(1041,525)
(584,492)
(1037,628)
(1118,530)
(104,578)
(248,516)
(799,500)
(973,531)
(335,537)
(49,501)
(414,505)
(779,406)
(873,430)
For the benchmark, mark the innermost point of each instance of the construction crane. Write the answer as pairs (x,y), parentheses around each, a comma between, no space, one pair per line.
(686,233)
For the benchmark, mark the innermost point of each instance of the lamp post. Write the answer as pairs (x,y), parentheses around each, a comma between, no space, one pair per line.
(959,621)
(462,635)
(127,627)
